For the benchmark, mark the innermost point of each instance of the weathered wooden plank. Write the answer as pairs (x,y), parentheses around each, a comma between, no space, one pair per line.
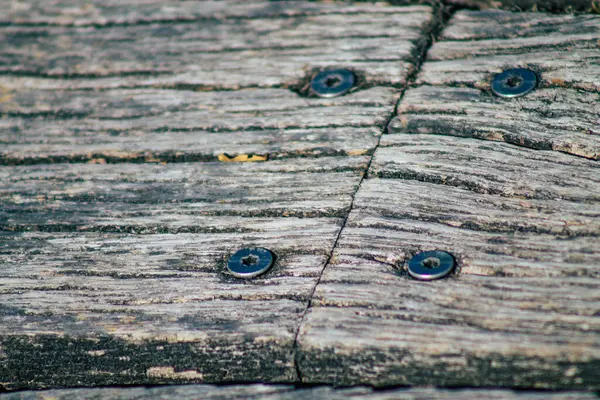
(561,48)
(159,125)
(547,119)
(562,114)
(530,5)
(117,270)
(122,275)
(96,12)
(522,222)
(120,308)
(113,244)
(183,392)
(214,36)
(278,51)
(282,392)
(488,167)
(523,311)
(107,13)
(495,24)
(180,197)
(504,321)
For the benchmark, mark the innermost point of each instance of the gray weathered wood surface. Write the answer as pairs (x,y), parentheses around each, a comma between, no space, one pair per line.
(120,206)
(269,47)
(172,126)
(102,13)
(453,96)
(134,12)
(510,187)
(282,392)
(141,146)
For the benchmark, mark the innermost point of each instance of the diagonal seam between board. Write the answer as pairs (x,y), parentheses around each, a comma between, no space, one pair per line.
(441,16)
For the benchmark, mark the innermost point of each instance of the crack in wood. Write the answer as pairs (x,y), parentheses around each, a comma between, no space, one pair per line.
(440,17)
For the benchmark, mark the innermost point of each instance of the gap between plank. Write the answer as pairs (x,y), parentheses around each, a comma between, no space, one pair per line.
(441,16)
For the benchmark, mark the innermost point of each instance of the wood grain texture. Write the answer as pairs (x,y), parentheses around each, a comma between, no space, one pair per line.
(227,54)
(112,269)
(111,12)
(282,392)
(159,125)
(477,176)
(453,95)
(530,5)
(523,312)
(179,197)
(119,270)
(119,206)
(561,48)
(488,167)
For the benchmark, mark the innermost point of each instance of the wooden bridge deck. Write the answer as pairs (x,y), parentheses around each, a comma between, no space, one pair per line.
(144,142)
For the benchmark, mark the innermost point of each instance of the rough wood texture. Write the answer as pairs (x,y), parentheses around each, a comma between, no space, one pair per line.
(180,197)
(522,222)
(106,13)
(453,98)
(548,119)
(378,42)
(477,44)
(159,125)
(113,243)
(531,5)
(119,269)
(112,269)
(281,392)
(488,167)
(113,12)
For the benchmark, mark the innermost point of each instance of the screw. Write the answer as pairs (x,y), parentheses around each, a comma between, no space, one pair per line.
(332,83)
(514,82)
(250,262)
(430,265)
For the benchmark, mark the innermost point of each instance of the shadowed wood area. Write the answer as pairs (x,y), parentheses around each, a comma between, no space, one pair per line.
(510,188)
(119,206)
(281,392)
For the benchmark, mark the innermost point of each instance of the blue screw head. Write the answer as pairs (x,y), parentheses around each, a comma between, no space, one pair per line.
(514,82)
(430,265)
(250,262)
(333,82)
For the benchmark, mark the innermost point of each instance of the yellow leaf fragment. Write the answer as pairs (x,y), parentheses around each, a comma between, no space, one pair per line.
(5,94)
(358,152)
(241,158)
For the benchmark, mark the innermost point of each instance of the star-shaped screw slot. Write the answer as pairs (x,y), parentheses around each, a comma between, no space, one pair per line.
(248,263)
(514,81)
(249,260)
(430,265)
(333,81)
(431,262)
